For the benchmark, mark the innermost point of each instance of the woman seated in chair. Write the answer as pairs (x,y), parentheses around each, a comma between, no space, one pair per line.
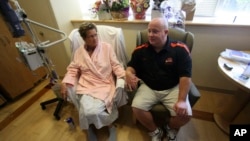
(91,73)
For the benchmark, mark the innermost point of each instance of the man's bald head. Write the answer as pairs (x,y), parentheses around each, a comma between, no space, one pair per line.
(162,22)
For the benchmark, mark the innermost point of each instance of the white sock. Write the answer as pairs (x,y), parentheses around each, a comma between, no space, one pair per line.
(157,131)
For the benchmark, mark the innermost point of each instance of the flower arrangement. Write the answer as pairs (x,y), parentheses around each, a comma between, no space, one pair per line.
(139,7)
(120,9)
(112,6)
(102,9)
(99,6)
(109,5)
(118,5)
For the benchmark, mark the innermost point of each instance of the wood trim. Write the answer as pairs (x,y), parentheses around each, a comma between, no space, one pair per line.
(203,115)
(216,90)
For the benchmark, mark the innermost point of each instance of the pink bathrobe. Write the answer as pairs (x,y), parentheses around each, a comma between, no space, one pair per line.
(96,77)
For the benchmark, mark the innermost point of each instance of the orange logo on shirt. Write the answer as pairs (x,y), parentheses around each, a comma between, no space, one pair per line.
(169,60)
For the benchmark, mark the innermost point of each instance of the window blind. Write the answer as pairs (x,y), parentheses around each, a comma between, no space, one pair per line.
(206,8)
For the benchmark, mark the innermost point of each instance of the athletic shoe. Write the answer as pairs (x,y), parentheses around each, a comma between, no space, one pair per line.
(157,135)
(171,134)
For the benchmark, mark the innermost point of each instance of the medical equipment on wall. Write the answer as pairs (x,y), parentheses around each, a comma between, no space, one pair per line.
(33,53)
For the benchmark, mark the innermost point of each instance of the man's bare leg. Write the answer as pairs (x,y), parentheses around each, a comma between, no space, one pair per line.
(145,118)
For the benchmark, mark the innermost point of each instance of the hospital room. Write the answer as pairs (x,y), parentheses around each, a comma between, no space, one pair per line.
(77,70)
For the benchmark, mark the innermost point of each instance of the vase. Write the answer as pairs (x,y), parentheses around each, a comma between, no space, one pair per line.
(104,15)
(139,8)
(139,15)
(120,15)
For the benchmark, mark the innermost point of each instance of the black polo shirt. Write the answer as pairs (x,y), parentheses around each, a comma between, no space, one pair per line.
(162,70)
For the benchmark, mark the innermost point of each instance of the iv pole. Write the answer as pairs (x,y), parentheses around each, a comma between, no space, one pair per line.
(23,17)
(40,48)
(40,45)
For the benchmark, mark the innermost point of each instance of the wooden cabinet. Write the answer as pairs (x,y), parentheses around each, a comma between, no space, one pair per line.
(15,76)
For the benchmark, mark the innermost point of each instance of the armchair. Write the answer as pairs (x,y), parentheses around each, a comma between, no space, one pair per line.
(176,34)
(108,34)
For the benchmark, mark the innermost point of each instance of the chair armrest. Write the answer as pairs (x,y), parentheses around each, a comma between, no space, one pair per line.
(193,94)
(131,96)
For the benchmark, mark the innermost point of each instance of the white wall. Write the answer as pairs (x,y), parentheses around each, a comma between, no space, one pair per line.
(209,42)
(64,11)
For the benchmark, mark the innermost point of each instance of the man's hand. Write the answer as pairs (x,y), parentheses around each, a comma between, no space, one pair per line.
(181,108)
(131,81)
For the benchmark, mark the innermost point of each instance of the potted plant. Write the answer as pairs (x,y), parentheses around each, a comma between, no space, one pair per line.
(119,9)
(101,8)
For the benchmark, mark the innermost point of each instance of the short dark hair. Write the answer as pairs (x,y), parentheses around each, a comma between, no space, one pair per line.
(84,27)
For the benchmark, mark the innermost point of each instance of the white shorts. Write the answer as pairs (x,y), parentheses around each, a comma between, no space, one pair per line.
(145,98)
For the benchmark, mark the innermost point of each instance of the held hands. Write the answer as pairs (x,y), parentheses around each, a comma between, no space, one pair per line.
(131,81)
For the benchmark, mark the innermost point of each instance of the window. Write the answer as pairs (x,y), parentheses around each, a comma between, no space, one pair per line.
(205,8)
(85,8)
(227,9)
(234,7)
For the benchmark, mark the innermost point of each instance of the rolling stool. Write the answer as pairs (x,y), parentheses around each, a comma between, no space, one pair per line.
(59,99)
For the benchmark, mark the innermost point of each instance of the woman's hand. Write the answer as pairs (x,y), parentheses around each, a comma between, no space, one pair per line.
(64,91)
(131,81)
